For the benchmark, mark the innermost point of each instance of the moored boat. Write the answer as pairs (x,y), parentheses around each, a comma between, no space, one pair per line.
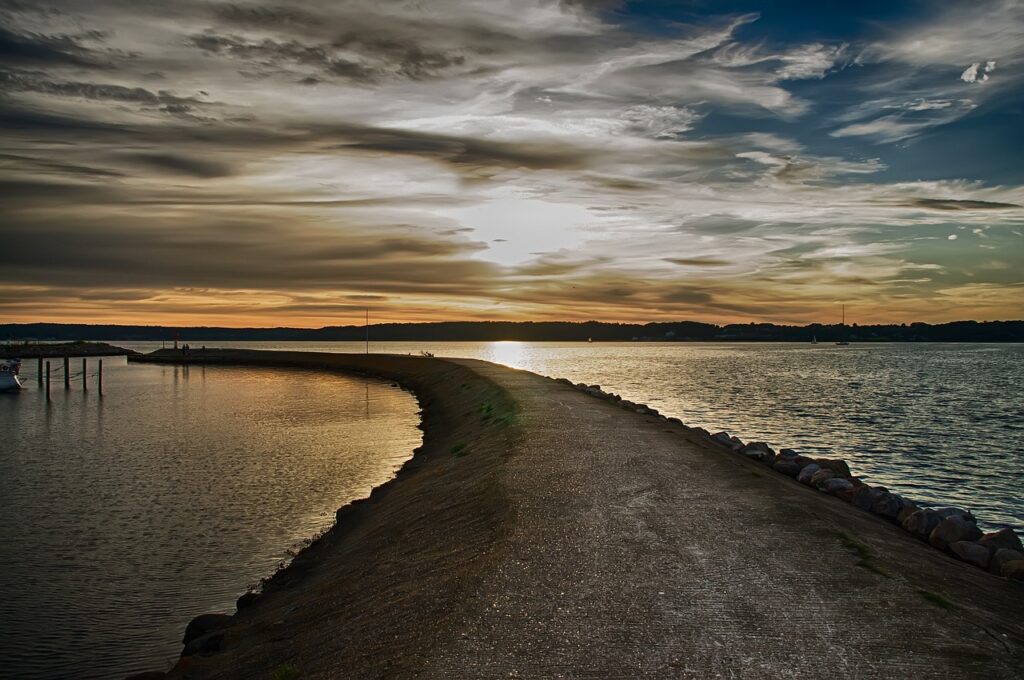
(9,375)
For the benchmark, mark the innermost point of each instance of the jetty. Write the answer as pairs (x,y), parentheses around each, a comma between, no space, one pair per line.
(42,350)
(540,532)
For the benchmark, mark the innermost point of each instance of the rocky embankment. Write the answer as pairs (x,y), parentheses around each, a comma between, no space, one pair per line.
(950,529)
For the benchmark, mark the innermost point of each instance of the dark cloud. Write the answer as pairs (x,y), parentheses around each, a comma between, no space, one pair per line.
(37,49)
(953,204)
(163,100)
(179,164)
(698,261)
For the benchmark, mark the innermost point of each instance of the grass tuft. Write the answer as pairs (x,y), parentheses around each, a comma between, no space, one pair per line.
(459,450)
(286,671)
(865,558)
(936,599)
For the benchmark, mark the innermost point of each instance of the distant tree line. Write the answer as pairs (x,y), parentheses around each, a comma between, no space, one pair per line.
(680,331)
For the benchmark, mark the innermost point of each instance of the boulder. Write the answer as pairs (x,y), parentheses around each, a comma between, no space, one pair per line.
(953,529)
(787,467)
(946,513)
(921,523)
(807,472)
(203,625)
(207,644)
(675,421)
(819,478)
(1002,539)
(701,431)
(1014,570)
(905,512)
(836,465)
(788,453)
(759,451)
(246,600)
(866,496)
(888,505)
(723,438)
(1003,557)
(971,552)
(836,485)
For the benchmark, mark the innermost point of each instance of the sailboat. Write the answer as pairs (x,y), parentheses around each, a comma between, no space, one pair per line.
(814,339)
(843,342)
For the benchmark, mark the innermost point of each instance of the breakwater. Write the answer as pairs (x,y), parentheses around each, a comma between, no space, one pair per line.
(539,531)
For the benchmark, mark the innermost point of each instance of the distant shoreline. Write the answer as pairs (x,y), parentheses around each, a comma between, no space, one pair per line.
(42,350)
(528,331)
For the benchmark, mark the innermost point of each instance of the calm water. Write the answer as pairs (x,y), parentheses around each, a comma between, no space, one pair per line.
(122,518)
(942,423)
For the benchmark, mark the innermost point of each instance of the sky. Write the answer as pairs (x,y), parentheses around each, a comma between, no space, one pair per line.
(271,163)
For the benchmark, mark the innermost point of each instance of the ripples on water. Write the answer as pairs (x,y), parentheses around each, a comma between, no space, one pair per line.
(122,519)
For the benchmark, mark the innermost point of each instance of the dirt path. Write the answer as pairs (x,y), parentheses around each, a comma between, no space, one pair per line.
(544,533)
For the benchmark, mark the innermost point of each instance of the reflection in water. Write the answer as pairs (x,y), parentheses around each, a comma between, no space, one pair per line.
(122,518)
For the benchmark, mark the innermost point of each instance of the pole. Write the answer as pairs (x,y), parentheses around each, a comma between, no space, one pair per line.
(85,376)
(67,373)
(47,381)
(367,330)
(39,376)
(101,378)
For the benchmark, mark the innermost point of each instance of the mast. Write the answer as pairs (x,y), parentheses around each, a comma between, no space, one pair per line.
(367,330)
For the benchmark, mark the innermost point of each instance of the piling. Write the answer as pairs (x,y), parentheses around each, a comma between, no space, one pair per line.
(39,372)
(47,381)
(100,378)
(85,376)
(67,373)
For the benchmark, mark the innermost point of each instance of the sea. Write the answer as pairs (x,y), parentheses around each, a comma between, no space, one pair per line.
(122,517)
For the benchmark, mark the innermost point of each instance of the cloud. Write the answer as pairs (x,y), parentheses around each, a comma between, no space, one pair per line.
(978,72)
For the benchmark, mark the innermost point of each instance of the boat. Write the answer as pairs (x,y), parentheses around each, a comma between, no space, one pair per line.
(9,375)
(842,325)
(814,339)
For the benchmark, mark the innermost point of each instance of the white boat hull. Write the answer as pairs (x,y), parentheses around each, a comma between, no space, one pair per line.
(9,382)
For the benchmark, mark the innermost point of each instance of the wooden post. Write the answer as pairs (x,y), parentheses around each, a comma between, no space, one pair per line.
(39,377)
(100,381)
(47,381)
(67,373)
(85,376)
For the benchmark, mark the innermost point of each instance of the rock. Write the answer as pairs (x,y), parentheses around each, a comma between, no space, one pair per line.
(905,512)
(787,467)
(819,478)
(759,451)
(564,381)
(807,472)
(722,438)
(946,513)
(674,421)
(866,496)
(701,431)
(788,453)
(147,675)
(921,523)
(1014,570)
(836,485)
(953,529)
(246,600)
(837,466)
(1002,539)
(971,552)
(207,644)
(888,505)
(1001,558)
(203,625)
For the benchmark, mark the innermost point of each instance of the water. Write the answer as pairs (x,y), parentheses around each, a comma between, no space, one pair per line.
(123,518)
(941,423)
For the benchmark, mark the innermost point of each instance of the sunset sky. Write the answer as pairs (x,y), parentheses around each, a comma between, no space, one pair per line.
(267,163)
